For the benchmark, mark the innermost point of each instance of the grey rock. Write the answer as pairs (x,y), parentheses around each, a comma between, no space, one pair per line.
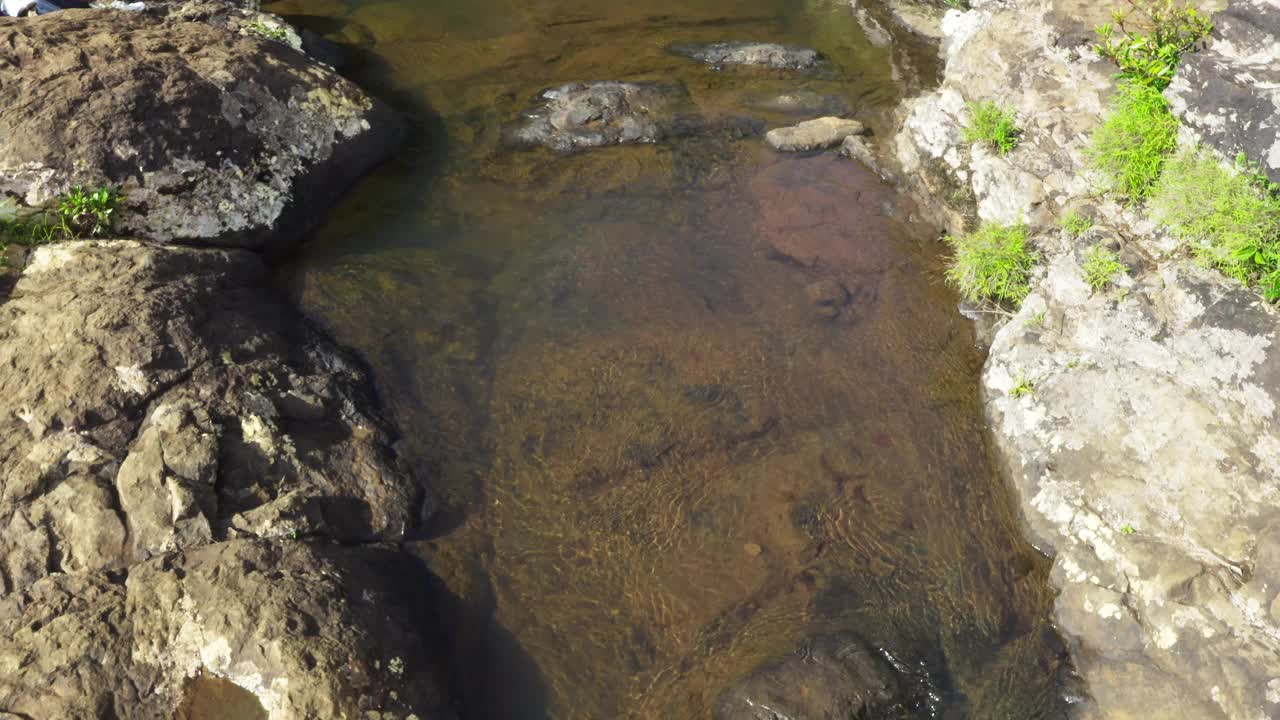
(244,140)
(154,399)
(587,115)
(1229,93)
(817,134)
(830,677)
(759,54)
(290,630)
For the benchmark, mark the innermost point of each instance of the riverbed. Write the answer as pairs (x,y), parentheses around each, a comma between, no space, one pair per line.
(681,405)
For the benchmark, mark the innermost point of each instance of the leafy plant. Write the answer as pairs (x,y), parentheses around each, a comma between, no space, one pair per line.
(1230,219)
(1127,529)
(992,125)
(270,32)
(76,214)
(1022,387)
(1131,146)
(1039,319)
(1147,39)
(82,213)
(1100,266)
(1076,223)
(992,263)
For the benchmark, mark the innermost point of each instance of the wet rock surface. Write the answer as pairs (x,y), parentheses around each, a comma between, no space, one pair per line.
(757,54)
(213,135)
(1229,93)
(817,134)
(156,399)
(588,115)
(286,630)
(1146,453)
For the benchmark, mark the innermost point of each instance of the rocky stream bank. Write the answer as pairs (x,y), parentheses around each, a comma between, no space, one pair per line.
(1141,439)
(200,501)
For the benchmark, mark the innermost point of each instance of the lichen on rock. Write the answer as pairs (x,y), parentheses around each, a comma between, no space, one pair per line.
(1137,421)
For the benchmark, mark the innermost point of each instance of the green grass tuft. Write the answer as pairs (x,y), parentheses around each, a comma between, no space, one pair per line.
(993,126)
(1136,138)
(992,263)
(1229,217)
(1076,223)
(1100,266)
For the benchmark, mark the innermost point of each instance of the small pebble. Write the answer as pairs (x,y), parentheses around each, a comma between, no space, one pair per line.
(753,549)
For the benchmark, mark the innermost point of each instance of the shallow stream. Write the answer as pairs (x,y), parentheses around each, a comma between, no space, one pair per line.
(660,458)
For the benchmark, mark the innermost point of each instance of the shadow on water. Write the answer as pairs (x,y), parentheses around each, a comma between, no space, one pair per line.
(684,405)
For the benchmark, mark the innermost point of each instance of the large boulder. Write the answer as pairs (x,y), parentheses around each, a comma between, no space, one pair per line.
(244,629)
(213,135)
(1230,93)
(154,399)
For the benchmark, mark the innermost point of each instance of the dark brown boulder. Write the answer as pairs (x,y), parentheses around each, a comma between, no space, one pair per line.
(214,135)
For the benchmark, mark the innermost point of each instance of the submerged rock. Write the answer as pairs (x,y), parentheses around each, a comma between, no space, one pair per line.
(817,134)
(154,399)
(1230,93)
(249,629)
(769,55)
(222,137)
(829,677)
(586,115)
(801,102)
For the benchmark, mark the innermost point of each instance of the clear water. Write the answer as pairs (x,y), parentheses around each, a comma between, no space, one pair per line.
(659,462)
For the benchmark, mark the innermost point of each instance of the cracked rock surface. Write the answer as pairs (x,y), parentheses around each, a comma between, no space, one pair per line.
(155,399)
(279,630)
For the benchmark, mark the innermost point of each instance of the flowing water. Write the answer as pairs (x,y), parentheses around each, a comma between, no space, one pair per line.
(660,459)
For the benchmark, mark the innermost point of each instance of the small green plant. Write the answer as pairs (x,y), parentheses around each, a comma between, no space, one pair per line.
(270,32)
(993,263)
(1228,216)
(992,125)
(1076,223)
(1131,146)
(1127,530)
(1100,266)
(956,4)
(76,214)
(1039,319)
(1022,387)
(84,213)
(1147,39)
